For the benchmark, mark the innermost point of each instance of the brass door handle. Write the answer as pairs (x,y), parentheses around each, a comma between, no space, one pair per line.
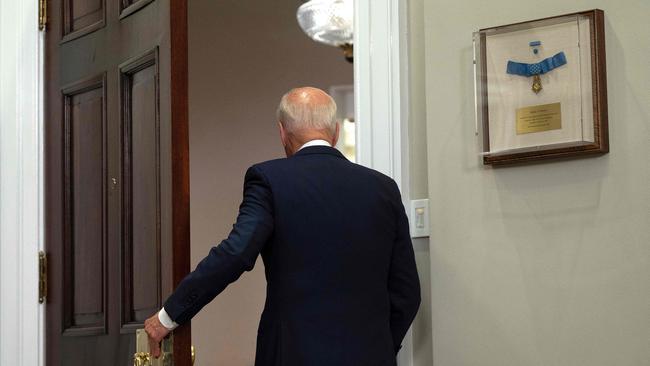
(141,359)
(193,351)
(145,359)
(142,356)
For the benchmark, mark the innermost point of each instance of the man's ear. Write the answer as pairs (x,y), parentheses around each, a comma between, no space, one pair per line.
(283,134)
(336,134)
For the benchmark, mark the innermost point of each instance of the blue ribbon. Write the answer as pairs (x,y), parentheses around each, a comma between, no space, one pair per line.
(542,67)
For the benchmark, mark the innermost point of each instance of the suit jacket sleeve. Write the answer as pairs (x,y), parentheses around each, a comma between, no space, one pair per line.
(403,281)
(236,254)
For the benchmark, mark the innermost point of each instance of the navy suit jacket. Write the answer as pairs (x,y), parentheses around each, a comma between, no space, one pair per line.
(342,286)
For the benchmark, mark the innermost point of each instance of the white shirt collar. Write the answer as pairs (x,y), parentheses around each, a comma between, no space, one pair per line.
(315,143)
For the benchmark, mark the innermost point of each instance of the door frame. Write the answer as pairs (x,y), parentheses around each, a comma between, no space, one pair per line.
(21,184)
(381,92)
(381,97)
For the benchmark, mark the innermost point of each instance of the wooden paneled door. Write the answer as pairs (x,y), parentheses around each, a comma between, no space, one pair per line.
(117,175)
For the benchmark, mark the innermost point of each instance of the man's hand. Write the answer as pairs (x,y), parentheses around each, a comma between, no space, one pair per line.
(156,332)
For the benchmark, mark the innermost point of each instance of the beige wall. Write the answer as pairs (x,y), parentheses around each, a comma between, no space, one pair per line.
(418,188)
(543,264)
(243,55)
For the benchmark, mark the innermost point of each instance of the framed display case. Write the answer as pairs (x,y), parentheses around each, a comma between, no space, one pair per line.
(541,88)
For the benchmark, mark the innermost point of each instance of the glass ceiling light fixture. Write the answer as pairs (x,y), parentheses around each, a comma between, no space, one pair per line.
(329,22)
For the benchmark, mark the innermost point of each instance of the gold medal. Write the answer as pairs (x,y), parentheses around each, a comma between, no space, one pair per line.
(537,84)
(536,69)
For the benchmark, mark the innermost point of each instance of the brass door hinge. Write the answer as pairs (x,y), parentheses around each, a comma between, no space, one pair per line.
(42,14)
(42,277)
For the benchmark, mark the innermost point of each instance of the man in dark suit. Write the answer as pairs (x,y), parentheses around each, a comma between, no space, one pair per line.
(342,286)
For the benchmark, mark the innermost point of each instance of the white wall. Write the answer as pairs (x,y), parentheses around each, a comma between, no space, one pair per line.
(543,264)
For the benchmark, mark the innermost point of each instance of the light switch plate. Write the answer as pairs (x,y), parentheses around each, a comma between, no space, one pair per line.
(419,218)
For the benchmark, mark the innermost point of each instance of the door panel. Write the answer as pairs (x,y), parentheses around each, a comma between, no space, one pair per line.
(117,182)
(85,218)
(141,289)
(129,7)
(81,17)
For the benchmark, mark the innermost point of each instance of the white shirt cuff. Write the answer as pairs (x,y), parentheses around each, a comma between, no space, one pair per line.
(165,320)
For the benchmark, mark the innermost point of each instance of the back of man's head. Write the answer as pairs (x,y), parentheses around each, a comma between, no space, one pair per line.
(307,109)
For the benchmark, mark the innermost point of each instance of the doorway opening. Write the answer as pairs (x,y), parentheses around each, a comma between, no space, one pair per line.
(242,57)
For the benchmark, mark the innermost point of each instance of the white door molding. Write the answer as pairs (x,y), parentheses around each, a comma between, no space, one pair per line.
(381,87)
(21,177)
(381,98)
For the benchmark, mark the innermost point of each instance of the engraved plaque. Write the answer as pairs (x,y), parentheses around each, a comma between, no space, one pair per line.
(539,118)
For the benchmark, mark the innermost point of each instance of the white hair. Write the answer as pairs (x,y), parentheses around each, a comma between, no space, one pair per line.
(298,111)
